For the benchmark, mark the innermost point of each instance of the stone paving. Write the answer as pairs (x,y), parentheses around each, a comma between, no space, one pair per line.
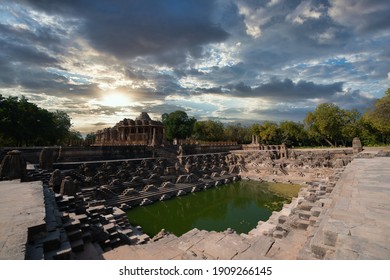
(197,244)
(357,223)
(22,208)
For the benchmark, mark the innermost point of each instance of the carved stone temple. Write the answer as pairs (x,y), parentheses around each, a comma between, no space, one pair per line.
(141,131)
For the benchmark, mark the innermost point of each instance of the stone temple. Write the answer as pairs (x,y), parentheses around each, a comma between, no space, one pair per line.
(141,131)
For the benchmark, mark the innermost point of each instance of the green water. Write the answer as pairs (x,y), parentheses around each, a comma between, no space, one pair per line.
(238,205)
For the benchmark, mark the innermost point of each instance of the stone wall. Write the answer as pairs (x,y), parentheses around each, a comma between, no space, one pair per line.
(72,154)
(299,166)
(206,149)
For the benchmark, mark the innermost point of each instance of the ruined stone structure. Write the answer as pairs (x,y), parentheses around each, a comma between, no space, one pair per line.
(141,131)
(13,166)
(357,145)
(85,204)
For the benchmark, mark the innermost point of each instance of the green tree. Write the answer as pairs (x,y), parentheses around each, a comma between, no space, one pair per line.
(177,125)
(326,122)
(379,116)
(351,126)
(24,124)
(208,131)
(237,133)
(292,133)
(368,134)
(268,132)
(62,126)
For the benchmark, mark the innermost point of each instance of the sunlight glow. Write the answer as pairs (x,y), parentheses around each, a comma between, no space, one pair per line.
(115,99)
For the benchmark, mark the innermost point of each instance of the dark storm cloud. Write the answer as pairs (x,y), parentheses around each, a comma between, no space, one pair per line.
(126,29)
(284,90)
(288,90)
(353,99)
(364,16)
(13,50)
(293,54)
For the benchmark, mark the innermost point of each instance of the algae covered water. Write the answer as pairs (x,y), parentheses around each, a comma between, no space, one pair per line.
(239,206)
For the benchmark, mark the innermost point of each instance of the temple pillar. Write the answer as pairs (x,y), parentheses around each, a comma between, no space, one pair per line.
(154,142)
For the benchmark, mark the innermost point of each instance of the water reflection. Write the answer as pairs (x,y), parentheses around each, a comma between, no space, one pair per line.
(238,205)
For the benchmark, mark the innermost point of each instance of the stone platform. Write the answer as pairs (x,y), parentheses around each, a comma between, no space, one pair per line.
(22,209)
(197,245)
(357,223)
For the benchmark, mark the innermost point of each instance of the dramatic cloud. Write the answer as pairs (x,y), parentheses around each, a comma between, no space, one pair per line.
(362,15)
(280,90)
(229,60)
(126,29)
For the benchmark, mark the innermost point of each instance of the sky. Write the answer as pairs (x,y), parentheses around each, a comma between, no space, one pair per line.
(232,61)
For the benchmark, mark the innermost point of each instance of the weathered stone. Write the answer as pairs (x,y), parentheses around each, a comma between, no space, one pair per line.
(55,180)
(46,159)
(356,145)
(67,186)
(13,166)
(330,238)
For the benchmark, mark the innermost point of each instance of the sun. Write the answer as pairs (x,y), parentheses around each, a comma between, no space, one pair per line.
(115,99)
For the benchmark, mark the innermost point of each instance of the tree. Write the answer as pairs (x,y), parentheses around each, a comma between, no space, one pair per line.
(326,123)
(177,125)
(292,133)
(351,126)
(208,131)
(379,116)
(368,134)
(268,132)
(24,124)
(237,133)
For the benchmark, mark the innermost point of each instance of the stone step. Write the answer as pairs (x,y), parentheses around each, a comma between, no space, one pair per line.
(77,245)
(303,214)
(72,225)
(110,227)
(279,234)
(306,205)
(87,237)
(303,224)
(75,235)
(52,241)
(316,211)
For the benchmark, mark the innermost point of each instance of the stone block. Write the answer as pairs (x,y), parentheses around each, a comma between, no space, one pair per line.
(77,245)
(52,241)
(313,220)
(110,227)
(282,219)
(72,225)
(306,205)
(303,214)
(316,211)
(303,224)
(278,234)
(62,253)
(75,235)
